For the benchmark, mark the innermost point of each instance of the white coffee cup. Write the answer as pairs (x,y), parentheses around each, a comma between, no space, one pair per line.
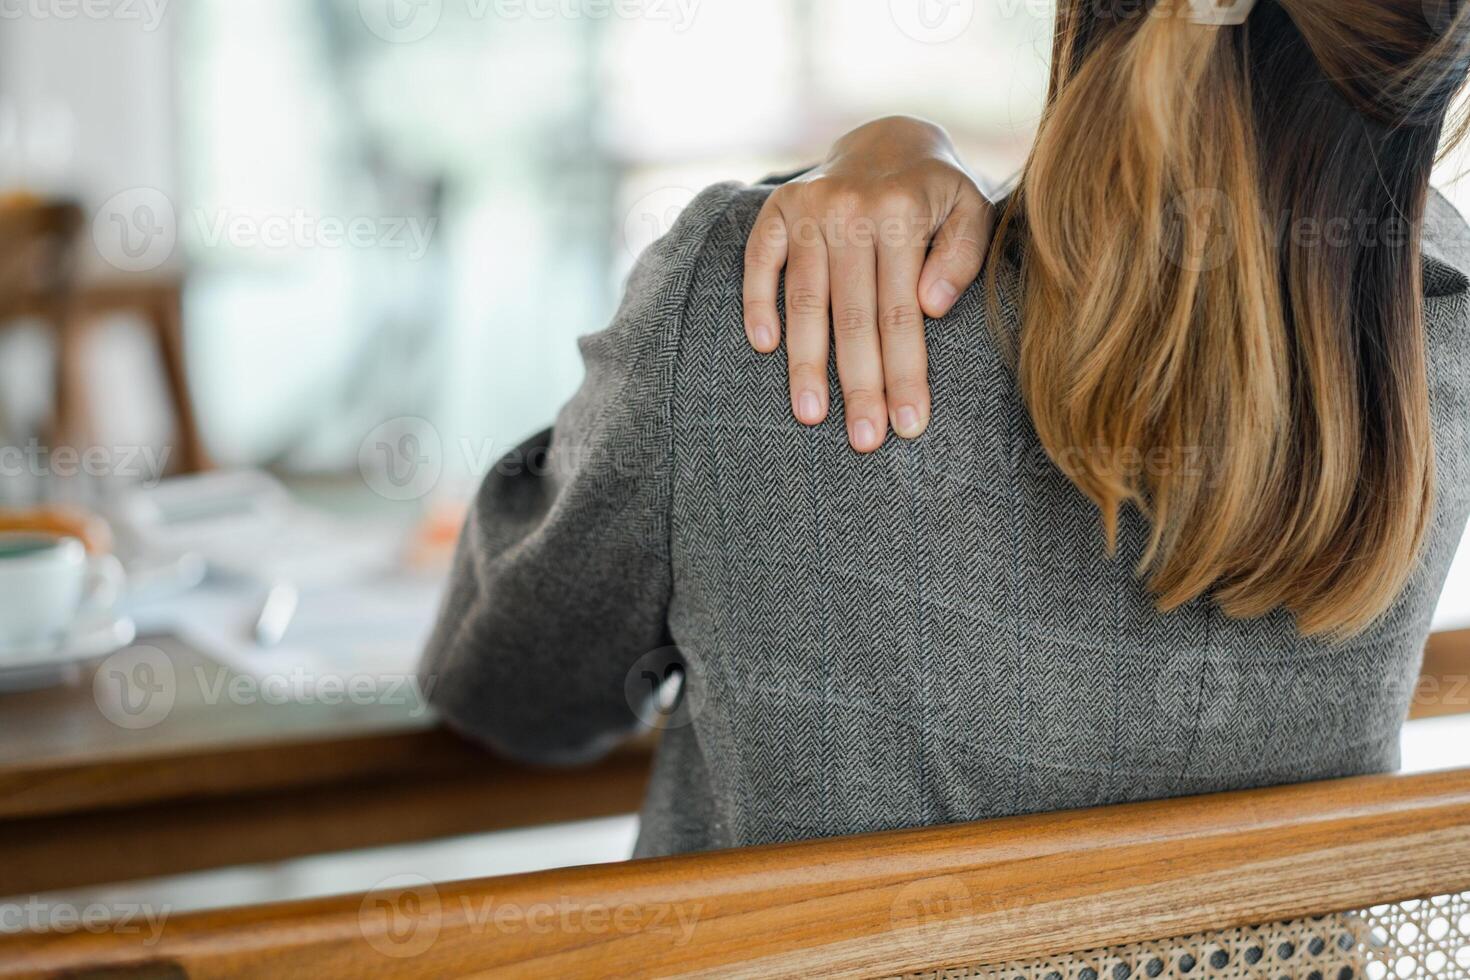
(47,582)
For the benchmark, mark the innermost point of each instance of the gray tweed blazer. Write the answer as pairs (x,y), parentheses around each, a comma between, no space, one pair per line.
(929,634)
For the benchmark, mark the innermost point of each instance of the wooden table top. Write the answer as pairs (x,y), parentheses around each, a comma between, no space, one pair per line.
(86,801)
(59,752)
(55,742)
(217,782)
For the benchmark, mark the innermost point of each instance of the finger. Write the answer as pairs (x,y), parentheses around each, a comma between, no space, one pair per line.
(854,274)
(901,327)
(765,255)
(958,253)
(807,325)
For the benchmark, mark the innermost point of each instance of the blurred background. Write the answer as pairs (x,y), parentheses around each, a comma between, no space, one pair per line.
(395,208)
(279,279)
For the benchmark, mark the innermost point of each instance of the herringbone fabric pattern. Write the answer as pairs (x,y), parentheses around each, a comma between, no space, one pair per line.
(929,634)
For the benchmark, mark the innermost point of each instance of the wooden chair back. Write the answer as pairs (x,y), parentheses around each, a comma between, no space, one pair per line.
(1331,880)
(38,280)
(37,255)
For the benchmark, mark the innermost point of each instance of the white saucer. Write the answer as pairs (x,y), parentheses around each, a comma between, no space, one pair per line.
(35,665)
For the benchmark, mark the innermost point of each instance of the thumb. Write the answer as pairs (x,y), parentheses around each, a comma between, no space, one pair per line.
(958,253)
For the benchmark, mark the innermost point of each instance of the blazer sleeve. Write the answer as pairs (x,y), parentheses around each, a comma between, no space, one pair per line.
(562,581)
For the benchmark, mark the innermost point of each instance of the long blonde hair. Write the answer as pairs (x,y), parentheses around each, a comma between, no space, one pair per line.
(1193,344)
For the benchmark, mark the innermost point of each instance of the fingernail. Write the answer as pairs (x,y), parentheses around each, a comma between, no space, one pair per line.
(809,408)
(864,436)
(764,338)
(942,294)
(907,423)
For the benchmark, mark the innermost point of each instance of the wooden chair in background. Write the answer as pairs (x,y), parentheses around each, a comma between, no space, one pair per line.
(37,282)
(39,240)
